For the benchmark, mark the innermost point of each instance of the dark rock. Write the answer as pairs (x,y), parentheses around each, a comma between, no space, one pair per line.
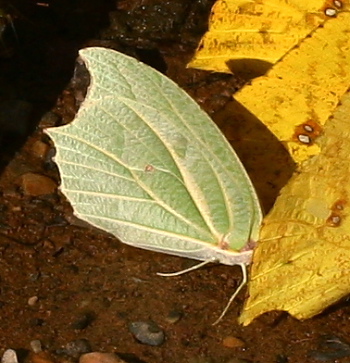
(148,333)
(83,320)
(331,348)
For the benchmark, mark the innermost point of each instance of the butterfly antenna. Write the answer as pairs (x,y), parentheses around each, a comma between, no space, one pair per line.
(239,288)
(178,273)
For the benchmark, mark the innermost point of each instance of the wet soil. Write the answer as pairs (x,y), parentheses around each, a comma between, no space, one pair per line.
(61,280)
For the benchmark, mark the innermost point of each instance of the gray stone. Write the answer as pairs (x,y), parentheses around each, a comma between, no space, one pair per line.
(147,332)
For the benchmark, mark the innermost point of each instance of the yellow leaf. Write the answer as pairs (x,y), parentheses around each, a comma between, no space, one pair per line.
(300,92)
(257,30)
(302,262)
(267,162)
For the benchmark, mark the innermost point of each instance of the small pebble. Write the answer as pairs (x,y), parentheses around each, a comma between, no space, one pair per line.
(50,119)
(32,300)
(148,333)
(40,149)
(331,347)
(48,160)
(76,348)
(36,346)
(34,184)
(34,277)
(36,322)
(9,356)
(83,320)
(97,357)
(174,316)
(232,342)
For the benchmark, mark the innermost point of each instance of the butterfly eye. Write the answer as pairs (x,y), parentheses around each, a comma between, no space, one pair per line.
(330,12)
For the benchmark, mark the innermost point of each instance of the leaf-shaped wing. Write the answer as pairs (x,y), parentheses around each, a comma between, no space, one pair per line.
(142,161)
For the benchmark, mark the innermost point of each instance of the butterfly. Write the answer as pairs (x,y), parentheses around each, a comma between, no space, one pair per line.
(142,161)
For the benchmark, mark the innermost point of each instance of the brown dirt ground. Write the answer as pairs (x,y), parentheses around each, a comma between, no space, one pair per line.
(78,272)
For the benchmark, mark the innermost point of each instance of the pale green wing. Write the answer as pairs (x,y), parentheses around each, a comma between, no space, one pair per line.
(142,161)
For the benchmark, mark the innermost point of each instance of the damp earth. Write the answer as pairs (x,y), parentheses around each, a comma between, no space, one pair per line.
(67,289)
